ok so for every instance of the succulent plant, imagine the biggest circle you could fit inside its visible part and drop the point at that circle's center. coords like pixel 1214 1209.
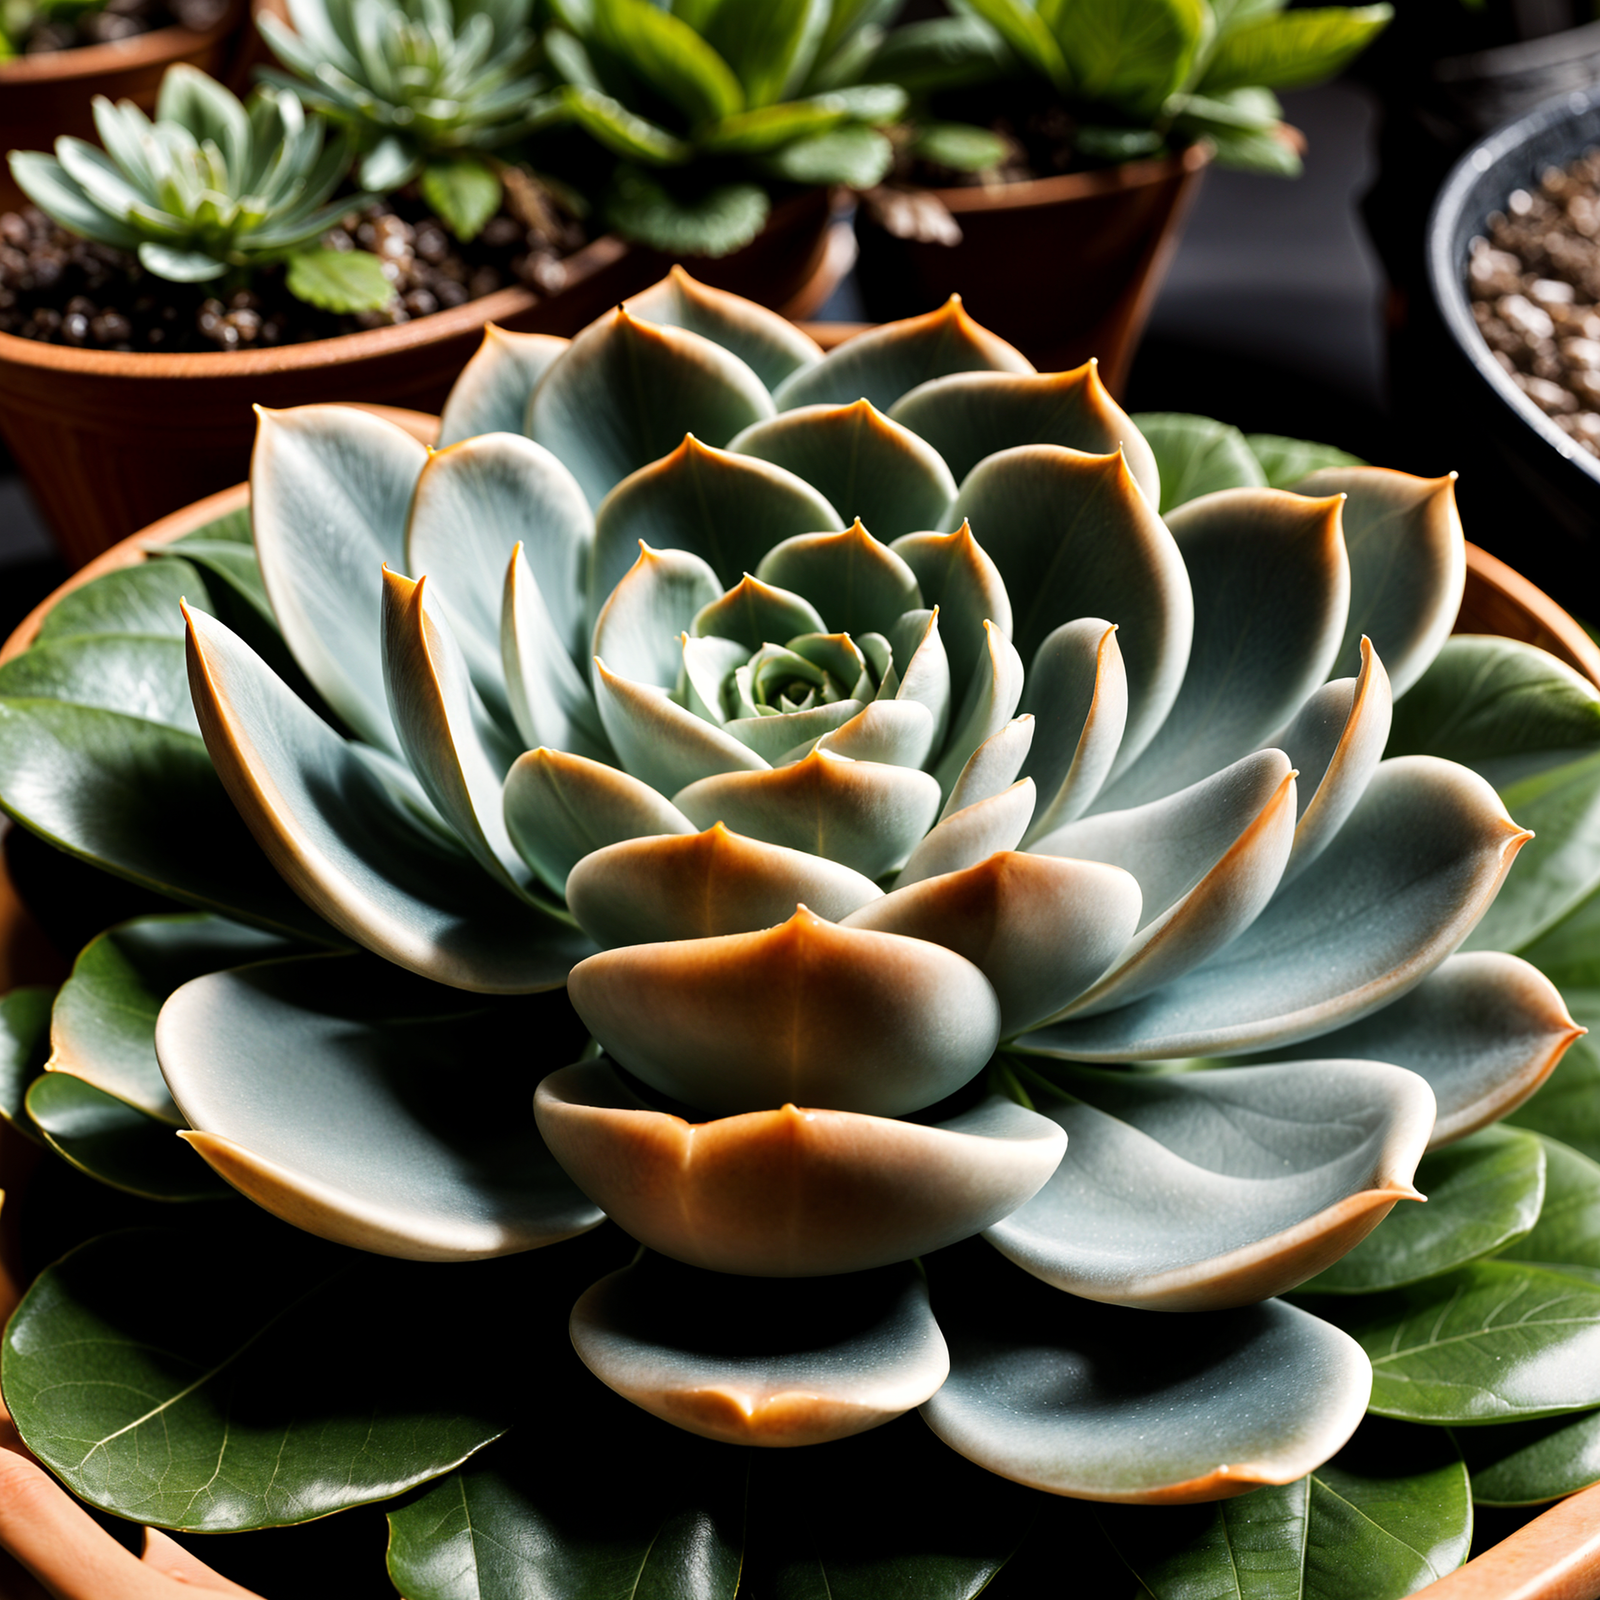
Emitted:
pixel 703 106
pixel 951 809
pixel 1128 76
pixel 211 188
pixel 423 87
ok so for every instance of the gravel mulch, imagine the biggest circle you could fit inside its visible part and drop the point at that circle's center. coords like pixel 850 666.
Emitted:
pixel 1535 288
pixel 61 289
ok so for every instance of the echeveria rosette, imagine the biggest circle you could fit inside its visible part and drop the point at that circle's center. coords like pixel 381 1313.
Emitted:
pixel 627 667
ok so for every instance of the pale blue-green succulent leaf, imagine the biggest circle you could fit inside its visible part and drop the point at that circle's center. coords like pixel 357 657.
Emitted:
pixel 475 502
pixel 970 415
pixel 963 838
pixel 639 629
pixel 1396 892
pixel 1484 1193
pixel 872 469
pixel 755 613
pixel 1491 1342
pixel 858 584
pixel 1335 741
pixel 1408 565
pixel 658 741
pixel 549 699
pixel 885 363
pixel 495 386
pixel 1485 1029
pixel 708 664
pixel 991 697
pixel 1077 692
pixel 456 753
pixel 958 578
pixel 816 1360
pixel 560 807
pixel 137 674
pixel 380 868
pixel 806 1013
pixel 1073 536
pixel 42 179
pixel 865 814
pixel 899 732
pixel 1199 1191
pixel 993 766
pixel 792 1192
pixel 1197 456
pixel 729 509
pixel 787 736
pixel 626 392
pixel 318 1088
pixel 1099 1402
pixel 1271 589
pixel 103 1022
pixel 1039 929
pixel 642 891
pixel 923 665
pixel 771 346
pixel 330 488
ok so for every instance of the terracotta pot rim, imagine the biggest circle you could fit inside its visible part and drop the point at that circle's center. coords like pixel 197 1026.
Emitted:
pixel 1074 185
pixel 98 60
pixel 500 306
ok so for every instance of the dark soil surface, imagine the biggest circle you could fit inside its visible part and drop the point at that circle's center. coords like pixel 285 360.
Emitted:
pixel 1535 287
pixel 118 19
pixel 65 290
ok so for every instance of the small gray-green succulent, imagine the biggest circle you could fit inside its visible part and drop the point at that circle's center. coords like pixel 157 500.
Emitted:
pixel 211 188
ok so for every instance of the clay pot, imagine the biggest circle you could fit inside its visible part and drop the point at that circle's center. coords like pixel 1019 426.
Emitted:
pixel 1065 268
pixel 44 96
pixel 110 441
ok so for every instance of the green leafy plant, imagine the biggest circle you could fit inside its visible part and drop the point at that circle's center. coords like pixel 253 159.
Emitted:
pixel 425 88
pixel 211 189
pixel 704 105
pixel 19 17
pixel 1113 872
pixel 1129 76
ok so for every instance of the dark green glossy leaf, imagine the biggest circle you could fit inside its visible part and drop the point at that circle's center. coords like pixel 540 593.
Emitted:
pixel 232 527
pixel 103 1027
pixel 229 1377
pixel 853 155
pixel 1294 49
pixel 1488 1343
pixel 1197 456
pixel 140 675
pixel 1568 1230
pixel 1388 1514
pixel 1525 1463
pixel 712 222
pixel 1567 1105
pixel 144 802
pixel 117 1143
pixel 1287 461
pixel 24 1047
pixel 1131 55
pixel 1483 1191
pixel 142 599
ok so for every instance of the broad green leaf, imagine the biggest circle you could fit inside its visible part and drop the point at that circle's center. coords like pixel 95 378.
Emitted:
pixel 1491 1342
pixel 622 131
pixel 233 527
pixel 853 155
pixel 1130 56
pixel 753 133
pixel 140 675
pixel 1568 1230
pixel 142 599
pixel 942 53
pixel 239 1375
pixel 1567 1106
pixel 1287 461
pixel 1247 151
pixel 103 1025
pixel 464 193
pixel 1482 1192
pixel 1526 1463
pixel 117 1143
pixel 1390 1513
pixel 764 43
pixel 704 222
pixel 339 280
pixel 671 57
pixel 1293 49
pixel 24 1048
pixel 144 802
pixel 1025 31
pixel 960 146
pixel 1196 456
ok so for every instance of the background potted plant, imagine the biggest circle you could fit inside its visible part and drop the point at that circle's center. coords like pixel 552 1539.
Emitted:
pixel 1053 149
pixel 417 862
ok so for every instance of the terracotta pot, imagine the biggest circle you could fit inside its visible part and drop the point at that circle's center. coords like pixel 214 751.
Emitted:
pixel 1065 268
pixel 44 96
pixel 1556 1556
pixel 110 441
